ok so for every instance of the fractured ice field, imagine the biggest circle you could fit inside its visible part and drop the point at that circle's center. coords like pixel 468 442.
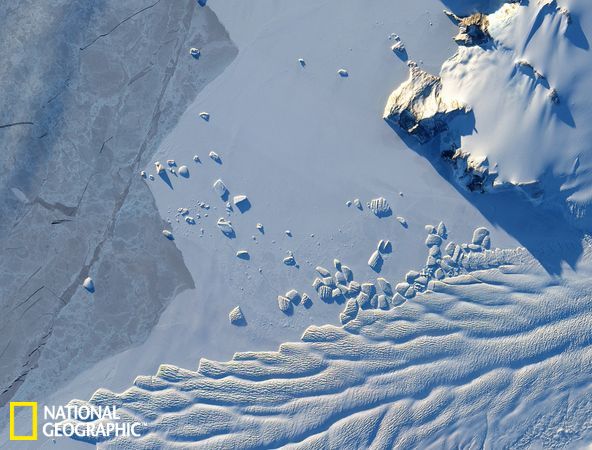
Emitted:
pixel 88 92
pixel 495 357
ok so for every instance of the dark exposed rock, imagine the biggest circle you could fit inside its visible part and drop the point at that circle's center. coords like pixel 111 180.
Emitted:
pixel 418 108
pixel 472 30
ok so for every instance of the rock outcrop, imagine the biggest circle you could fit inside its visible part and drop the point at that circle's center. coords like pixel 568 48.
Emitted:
pixel 472 30
pixel 418 108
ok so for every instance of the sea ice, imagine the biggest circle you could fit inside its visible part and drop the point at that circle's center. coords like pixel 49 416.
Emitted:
pixel 88 284
pixel 184 171
pixel 375 261
pixel 215 157
pixel 220 188
pixel 243 254
pixel 241 202
pixel 237 317
pixel 226 227
pixel 285 304
pixel 380 207
pixel 384 246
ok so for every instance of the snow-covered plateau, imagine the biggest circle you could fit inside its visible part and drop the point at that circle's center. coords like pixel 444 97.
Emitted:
pixel 311 224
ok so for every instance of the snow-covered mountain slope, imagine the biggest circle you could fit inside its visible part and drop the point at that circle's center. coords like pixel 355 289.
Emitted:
pixel 497 357
pixel 525 80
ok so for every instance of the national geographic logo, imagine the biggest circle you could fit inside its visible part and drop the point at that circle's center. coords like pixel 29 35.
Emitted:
pixel 18 437
pixel 78 421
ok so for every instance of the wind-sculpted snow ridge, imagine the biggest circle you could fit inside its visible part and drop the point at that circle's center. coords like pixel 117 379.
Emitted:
pixel 497 355
pixel 520 72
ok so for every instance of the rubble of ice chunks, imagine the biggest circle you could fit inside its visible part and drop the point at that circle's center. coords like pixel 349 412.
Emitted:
pixel 472 30
pixel 358 204
pixel 291 299
pixel 380 207
pixel 418 107
pixel 452 260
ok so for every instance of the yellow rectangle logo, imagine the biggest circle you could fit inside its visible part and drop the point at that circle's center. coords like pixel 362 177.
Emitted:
pixel 33 435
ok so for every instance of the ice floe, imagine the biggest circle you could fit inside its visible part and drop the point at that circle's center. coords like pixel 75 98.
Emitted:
pixel 242 203
pixel 285 305
pixel 220 188
pixel 226 227
pixel 184 171
pixel 88 284
pixel 375 261
pixel 380 207
pixel 243 254
pixel 236 317
pixel 215 157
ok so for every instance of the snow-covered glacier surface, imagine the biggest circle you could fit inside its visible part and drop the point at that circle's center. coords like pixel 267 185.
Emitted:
pixel 496 357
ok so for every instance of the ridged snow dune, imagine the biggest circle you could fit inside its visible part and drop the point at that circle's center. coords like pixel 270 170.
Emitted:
pixel 497 357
